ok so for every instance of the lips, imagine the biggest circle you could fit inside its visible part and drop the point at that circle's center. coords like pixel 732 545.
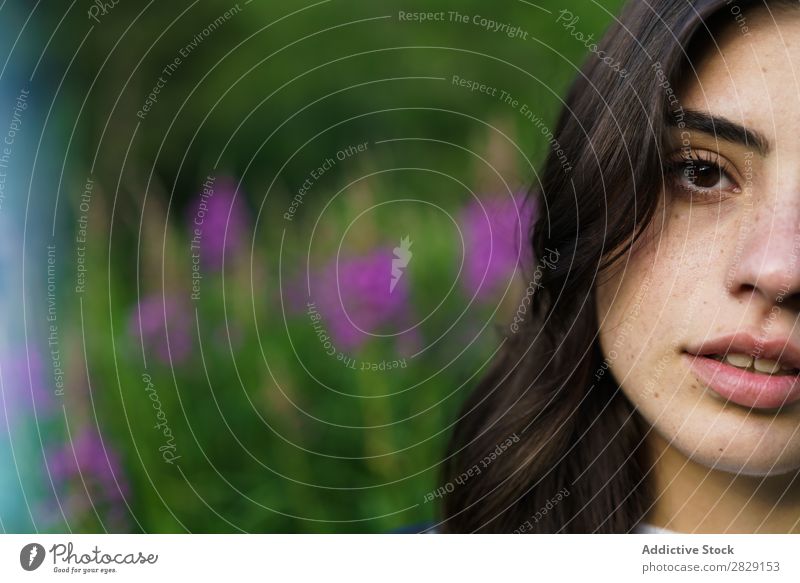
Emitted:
pixel 745 387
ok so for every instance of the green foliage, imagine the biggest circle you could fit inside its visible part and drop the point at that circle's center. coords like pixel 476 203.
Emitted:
pixel 274 434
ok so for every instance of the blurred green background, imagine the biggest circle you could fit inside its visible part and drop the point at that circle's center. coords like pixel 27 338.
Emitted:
pixel 259 325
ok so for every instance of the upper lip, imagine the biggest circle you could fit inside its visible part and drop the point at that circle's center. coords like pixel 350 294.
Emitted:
pixel 782 350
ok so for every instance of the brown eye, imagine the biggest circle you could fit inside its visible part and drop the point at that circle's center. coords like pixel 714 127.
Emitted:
pixel 703 175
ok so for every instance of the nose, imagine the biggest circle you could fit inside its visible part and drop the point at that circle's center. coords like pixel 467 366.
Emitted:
pixel 769 264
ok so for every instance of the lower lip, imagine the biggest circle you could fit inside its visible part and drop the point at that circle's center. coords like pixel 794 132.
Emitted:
pixel 745 388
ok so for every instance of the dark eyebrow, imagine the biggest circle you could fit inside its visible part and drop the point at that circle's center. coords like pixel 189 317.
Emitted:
pixel 723 129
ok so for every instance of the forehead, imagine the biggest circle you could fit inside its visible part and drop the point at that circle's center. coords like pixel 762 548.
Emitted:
pixel 750 73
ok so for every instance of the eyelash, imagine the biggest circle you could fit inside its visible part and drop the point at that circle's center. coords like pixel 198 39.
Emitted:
pixel 677 169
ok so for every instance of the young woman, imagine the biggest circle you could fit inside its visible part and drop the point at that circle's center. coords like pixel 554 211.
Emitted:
pixel 654 385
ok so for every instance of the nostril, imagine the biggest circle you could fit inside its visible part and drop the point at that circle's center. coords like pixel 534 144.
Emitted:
pixel 791 302
pixel 777 291
pixel 747 289
pixel 744 291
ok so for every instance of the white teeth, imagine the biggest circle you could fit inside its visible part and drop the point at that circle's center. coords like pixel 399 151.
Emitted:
pixel 766 365
pixel 739 360
pixel 762 365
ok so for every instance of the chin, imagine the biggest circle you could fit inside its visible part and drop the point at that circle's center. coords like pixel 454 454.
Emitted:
pixel 744 452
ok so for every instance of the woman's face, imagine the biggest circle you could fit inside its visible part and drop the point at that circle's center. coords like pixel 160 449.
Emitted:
pixel 692 321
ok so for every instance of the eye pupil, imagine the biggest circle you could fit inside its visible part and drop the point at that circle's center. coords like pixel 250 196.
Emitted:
pixel 702 175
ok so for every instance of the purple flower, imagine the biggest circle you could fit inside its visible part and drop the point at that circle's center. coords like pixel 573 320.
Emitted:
pixel 356 299
pixel 87 473
pixel 222 219
pixel 496 243
pixel 157 319
pixel 23 390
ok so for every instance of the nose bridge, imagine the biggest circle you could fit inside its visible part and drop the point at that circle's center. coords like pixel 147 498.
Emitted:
pixel 770 260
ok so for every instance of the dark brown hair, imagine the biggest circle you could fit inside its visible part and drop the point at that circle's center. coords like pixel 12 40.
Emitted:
pixel 547 442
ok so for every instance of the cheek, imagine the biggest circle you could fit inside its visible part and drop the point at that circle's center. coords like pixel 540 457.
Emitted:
pixel 634 334
pixel 645 314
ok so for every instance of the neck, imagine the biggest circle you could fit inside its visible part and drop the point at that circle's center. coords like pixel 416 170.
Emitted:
pixel 692 498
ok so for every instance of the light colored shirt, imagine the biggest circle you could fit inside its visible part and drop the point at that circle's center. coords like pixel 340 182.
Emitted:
pixel 645 528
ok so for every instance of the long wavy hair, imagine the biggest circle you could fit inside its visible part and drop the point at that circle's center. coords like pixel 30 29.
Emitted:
pixel 547 442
